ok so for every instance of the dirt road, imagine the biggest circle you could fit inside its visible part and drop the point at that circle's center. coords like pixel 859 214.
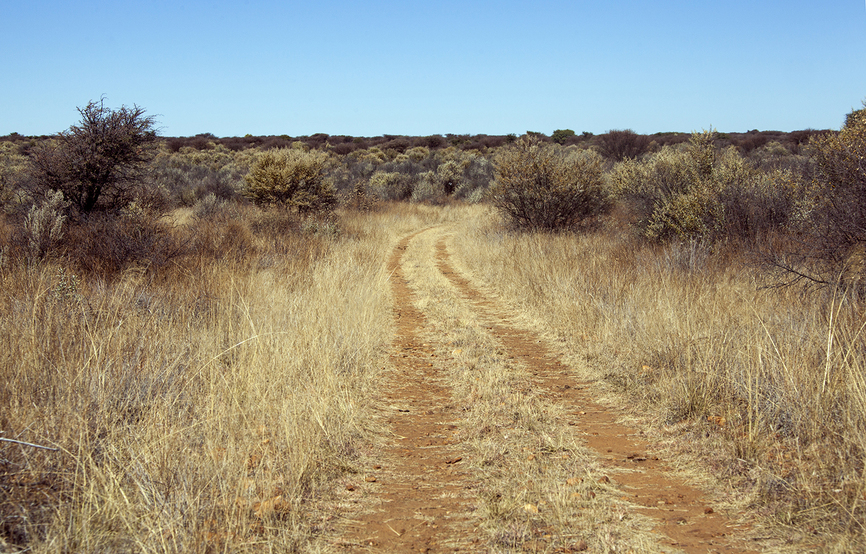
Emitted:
pixel 436 487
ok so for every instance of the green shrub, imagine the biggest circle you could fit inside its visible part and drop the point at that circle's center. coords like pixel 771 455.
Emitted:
pixel 290 178
pixel 538 187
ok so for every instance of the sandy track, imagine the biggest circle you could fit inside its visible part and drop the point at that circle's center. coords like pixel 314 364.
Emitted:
pixel 423 488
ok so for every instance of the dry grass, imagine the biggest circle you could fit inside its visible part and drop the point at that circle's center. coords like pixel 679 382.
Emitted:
pixel 202 407
pixel 766 387
pixel 211 404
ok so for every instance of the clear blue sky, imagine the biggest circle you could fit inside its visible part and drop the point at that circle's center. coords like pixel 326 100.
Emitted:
pixel 419 68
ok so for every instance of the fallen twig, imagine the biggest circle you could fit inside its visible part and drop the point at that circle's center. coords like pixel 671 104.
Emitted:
pixel 29 444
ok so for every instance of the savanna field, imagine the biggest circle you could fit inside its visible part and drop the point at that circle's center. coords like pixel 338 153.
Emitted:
pixel 197 335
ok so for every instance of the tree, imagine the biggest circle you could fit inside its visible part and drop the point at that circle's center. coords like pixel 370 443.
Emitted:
pixel 560 136
pixel 291 178
pixel 99 163
pixel 538 187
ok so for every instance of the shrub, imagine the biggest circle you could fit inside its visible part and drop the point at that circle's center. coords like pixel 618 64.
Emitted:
pixel 392 185
pixel 696 193
pixel 99 163
pixel 538 187
pixel 428 189
pixel 290 178
pixel 106 245
pixel 190 175
pixel 619 144
pixel 833 211
pixel 43 226
pixel 12 167
pixel 477 177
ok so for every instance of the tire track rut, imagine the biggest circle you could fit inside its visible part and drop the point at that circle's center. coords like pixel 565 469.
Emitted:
pixel 421 486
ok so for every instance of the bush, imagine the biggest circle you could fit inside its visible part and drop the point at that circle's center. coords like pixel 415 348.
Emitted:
pixel 619 144
pixel 13 166
pixel 560 136
pixel 43 226
pixel 291 178
pixel 190 175
pixel 833 211
pixel 429 189
pixel 538 187
pixel 99 163
pixel 391 185
pixel 696 193
pixel 477 177
pixel 106 245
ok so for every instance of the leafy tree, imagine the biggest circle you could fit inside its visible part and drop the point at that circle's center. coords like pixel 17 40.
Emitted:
pixel 291 178
pixel 99 163
pixel 560 136
pixel 538 187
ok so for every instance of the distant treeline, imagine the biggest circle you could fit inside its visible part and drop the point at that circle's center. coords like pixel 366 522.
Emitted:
pixel 615 144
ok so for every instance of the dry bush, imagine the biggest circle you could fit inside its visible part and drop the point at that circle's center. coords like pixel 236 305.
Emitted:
pixel 98 164
pixel 621 144
pixel 538 187
pixel 188 176
pixel 43 226
pixel 698 193
pixel 105 245
pixel 292 178
pixel 392 185
pixel 13 168
pixel 832 216
pixel 766 387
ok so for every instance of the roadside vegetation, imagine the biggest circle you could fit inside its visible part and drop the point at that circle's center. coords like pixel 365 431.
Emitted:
pixel 192 327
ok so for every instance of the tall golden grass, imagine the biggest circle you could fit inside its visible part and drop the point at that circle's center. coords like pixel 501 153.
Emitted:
pixel 766 385
pixel 204 406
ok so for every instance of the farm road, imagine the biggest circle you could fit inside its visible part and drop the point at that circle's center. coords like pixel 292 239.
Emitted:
pixel 425 483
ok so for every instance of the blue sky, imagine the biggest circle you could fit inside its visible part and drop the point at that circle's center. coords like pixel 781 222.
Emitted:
pixel 420 68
